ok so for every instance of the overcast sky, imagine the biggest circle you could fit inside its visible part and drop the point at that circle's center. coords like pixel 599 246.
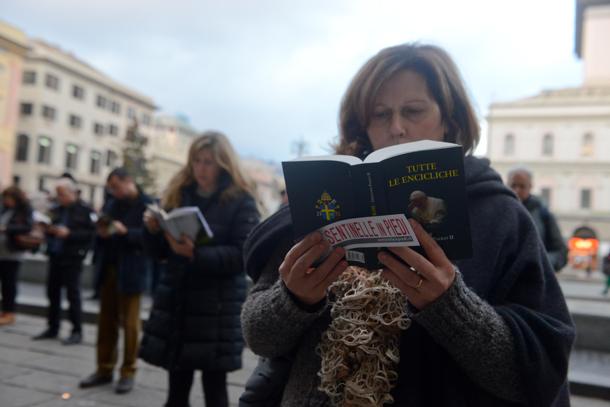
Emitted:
pixel 268 73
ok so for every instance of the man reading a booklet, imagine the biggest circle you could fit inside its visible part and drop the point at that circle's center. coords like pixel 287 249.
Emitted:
pixel 424 328
pixel 124 268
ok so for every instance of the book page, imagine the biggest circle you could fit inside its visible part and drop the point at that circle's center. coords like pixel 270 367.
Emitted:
pixel 405 148
pixel 348 159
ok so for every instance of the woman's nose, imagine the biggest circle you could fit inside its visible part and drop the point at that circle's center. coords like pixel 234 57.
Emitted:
pixel 397 127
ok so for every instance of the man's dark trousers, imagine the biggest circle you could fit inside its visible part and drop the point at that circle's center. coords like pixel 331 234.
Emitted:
pixel 64 272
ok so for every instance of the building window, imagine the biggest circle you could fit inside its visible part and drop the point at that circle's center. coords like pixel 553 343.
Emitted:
pixel 113 130
pixel 545 194
pixel 23 145
pixel 16 180
pixel 100 101
pixel 587 145
pixel 49 112
pixel 78 92
pixel 131 112
pixel 585 199
pixel 29 77
pixel 111 158
pixel 115 107
pixel 51 81
pixel 96 160
pixel 547 145
pixel 91 194
pixel 27 109
pixel 75 121
pixel 98 129
pixel 509 144
pixel 45 146
pixel 41 183
pixel 145 119
pixel 71 156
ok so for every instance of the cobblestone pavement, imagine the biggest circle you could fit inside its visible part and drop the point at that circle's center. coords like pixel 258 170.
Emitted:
pixel 39 373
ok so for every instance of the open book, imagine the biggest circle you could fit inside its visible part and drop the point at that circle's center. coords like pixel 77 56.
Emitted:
pixel 422 180
pixel 187 220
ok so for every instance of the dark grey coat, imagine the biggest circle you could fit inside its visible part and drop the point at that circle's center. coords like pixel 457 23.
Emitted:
pixel 500 336
pixel 194 323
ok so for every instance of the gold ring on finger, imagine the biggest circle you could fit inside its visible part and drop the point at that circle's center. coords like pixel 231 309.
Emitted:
pixel 419 283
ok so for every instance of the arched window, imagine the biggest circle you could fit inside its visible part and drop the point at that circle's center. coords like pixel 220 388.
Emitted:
pixel 45 146
pixel 509 144
pixel 96 161
pixel 23 145
pixel 71 156
pixel 547 145
pixel 586 148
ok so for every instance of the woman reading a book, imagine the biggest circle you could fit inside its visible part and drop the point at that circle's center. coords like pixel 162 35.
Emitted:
pixel 194 323
pixel 492 330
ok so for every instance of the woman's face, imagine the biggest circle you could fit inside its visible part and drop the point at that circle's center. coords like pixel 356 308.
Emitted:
pixel 205 170
pixel 404 111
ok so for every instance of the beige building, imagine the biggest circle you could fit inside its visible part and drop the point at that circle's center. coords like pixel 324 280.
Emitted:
pixel 563 135
pixel 269 182
pixel 13 47
pixel 168 148
pixel 72 118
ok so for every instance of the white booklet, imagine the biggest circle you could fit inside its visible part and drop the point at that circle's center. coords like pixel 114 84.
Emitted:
pixel 187 220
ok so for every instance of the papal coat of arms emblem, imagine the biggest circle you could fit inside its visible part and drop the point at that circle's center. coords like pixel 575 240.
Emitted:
pixel 327 208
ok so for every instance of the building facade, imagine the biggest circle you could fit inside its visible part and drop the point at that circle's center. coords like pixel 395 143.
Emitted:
pixel 563 135
pixel 168 148
pixel 72 118
pixel 13 47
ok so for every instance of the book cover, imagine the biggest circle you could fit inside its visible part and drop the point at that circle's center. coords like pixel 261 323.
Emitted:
pixel 187 220
pixel 422 180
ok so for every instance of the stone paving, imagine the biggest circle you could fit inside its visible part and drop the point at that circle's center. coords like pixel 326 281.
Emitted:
pixel 46 374
pixel 39 373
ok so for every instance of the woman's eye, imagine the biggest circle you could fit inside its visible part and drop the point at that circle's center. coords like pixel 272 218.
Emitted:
pixel 412 112
pixel 381 115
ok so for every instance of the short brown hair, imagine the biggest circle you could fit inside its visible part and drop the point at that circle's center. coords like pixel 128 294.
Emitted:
pixel 18 196
pixel 444 83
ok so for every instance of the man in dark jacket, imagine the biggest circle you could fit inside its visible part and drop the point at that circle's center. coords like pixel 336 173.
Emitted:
pixel 68 240
pixel 520 181
pixel 123 279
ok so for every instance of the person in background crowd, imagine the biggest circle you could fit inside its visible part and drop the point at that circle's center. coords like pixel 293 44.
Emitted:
pixel 124 267
pixel 606 271
pixel 98 249
pixel 194 323
pixel 15 221
pixel 492 330
pixel 520 181
pixel 69 238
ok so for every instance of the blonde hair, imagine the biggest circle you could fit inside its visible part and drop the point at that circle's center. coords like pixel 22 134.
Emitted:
pixel 442 79
pixel 224 155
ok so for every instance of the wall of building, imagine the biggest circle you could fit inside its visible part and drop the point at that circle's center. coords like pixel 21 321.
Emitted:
pixel 13 46
pixel 104 111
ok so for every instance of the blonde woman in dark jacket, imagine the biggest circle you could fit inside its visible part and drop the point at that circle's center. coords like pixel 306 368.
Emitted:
pixel 194 323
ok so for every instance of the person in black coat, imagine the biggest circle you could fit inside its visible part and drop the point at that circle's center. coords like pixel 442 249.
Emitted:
pixel 519 179
pixel 15 222
pixel 69 237
pixel 123 272
pixel 194 323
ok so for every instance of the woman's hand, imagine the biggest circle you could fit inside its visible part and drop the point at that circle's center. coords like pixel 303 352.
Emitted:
pixel 183 247
pixel 60 232
pixel 119 228
pixel 421 280
pixel 150 222
pixel 307 283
